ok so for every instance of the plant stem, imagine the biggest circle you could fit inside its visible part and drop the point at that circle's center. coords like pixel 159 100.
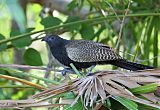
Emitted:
pixel 75 69
pixel 97 20
pixel 25 67
pixel 122 24
pixel 16 86
pixel 30 75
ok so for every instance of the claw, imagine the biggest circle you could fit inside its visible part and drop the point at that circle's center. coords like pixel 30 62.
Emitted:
pixel 90 71
pixel 67 70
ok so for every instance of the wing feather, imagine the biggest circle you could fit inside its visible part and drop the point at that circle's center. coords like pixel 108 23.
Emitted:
pixel 88 51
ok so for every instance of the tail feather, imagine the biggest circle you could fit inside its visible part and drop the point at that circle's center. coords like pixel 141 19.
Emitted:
pixel 130 65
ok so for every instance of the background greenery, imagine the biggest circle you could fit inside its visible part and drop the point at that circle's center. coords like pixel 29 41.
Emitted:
pixel 98 20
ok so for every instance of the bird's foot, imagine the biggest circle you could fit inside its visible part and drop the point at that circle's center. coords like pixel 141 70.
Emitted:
pixel 89 74
pixel 90 71
pixel 67 70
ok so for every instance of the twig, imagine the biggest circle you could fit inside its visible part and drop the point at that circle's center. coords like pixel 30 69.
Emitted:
pixel 75 69
pixel 113 11
pixel 139 60
pixel 39 36
pixel 98 20
pixel 26 67
pixel 122 24
pixel 22 81
pixel 16 86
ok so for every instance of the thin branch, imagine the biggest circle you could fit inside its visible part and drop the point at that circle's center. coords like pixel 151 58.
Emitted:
pixel 139 60
pixel 16 86
pixel 98 20
pixel 28 75
pixel 22 81
pixel 113 11
pixel 19 104
pixel 26 67
pixel 122 24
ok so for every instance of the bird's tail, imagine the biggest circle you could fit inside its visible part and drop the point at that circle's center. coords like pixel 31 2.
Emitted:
pixel 130 65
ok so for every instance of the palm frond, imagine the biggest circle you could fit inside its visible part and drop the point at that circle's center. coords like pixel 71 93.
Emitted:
pixel 104 84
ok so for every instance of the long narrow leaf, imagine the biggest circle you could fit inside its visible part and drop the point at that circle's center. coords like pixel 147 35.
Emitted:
pixel 127 103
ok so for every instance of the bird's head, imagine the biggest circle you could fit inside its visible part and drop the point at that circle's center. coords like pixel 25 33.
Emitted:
pixel 54 40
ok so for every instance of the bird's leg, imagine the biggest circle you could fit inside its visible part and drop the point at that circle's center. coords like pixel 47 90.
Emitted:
pixel 90 70
pixel 67 70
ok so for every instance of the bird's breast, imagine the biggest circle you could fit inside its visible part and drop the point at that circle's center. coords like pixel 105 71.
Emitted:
pixel 61 55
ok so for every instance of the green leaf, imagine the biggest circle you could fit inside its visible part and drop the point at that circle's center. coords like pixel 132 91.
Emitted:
pixel 146 107
pixel 75 27
pixel 155 40
pixel 108 102
pixel 139 1
pixel 87 32
pixel 76 106
pixel 148 42
pixel 50 21
pixel 32 57
pixel 145 89
pixel 72 5
pixel 69 95
pixel 22 42
pixel 29 30
pixel 101 29
pixel 127 103
pixel 104 5
pixel 2 46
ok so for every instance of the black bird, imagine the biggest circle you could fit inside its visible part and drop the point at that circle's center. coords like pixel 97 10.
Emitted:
pixel 84 54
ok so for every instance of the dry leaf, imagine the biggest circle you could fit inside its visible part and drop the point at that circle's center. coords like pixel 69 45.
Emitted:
pixel 109 83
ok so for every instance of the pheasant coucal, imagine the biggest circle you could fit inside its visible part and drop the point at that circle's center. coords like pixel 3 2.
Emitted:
pixel 84 54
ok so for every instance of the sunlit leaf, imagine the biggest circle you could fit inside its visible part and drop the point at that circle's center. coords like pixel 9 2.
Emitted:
pixel 145 89
pixel 50 21
pixel 127 103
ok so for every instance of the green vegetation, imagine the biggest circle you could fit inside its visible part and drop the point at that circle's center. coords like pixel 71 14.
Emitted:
pixel 131 27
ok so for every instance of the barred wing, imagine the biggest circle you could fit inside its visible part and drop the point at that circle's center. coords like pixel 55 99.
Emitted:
pixel 88 51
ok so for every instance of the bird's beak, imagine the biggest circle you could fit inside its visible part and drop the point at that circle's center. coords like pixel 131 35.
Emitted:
pixel 44 39
pixel 47 39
